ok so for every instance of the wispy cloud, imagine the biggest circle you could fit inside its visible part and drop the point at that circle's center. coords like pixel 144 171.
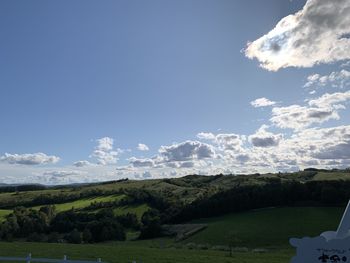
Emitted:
pixel 142 147
pixel 29 158
pixel 336 79
pixel 262 102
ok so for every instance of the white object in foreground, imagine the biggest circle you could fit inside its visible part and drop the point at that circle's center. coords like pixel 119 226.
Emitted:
pixel 329 247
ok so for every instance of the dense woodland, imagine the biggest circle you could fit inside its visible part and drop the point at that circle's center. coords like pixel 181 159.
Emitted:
pixel 36 219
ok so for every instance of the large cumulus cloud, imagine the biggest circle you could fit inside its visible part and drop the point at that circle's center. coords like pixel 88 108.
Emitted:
pixel 319 33
pixel 224 141
pixel 104 152
pixel 263 138
pixel 186 151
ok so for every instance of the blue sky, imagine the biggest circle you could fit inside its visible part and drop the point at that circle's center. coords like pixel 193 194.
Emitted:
pixel 89 81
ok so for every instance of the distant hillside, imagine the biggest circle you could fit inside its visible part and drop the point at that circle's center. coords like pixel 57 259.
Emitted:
pixel 184 190
pixel 131 206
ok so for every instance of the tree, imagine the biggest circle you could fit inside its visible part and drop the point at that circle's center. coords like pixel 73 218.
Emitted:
pixel 87 236
pixel 53 237
pixel 129 220
pixel 74 237
pixel 151 224
pixel 36 237
pixel 49 210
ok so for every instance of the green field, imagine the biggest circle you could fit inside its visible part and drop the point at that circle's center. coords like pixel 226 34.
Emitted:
pixel 328 176
pixel 4 213
pixel 82 203
pixel 136 209
pixel 127 251
pixel 12 198
pixel 267 227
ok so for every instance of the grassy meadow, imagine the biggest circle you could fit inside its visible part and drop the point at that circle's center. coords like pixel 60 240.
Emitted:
pixel 126 252
pixel 136 209
pixel 82 203
pixel 267 229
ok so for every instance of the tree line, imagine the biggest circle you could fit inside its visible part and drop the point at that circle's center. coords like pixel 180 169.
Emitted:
pixel 274 193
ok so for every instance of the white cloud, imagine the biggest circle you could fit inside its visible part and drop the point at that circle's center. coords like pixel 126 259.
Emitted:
pixel 262 102
pixel 340 150
pixel 318 147
pixel 105 144
pixel 82 163
pixel 262 151
pixel 263 138
pixel 147 174
pixel 136 162
pixel 104 152
pixel 63 173
pixel 186 155
pixel 242 158
pixel 265 152
pixel 298 117
pixel 187 164
pixel 318 111
pixel 328 100
pixel 336 79
pixel 327 143
pixel 229 141
pixel 57 174
pixel 186 151
pixel 144 175
pixel 316 34
pixel 312 80
pixel 29 158
pixel 312 92
pixel 142 147
pixel 206 136
pixel 224 141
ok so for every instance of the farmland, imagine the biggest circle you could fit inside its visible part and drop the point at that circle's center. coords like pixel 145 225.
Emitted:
pixel 252 215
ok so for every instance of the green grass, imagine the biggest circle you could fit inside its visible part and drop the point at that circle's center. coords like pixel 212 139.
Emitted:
pixel 326 176
pixel 269 227
pixel 4 213
pixel 9 199
pixel 128 251
pixel 266 228
pixel 82 203
pixel 136 209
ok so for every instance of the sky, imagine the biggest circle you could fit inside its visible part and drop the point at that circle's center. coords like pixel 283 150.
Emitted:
pixel 103 90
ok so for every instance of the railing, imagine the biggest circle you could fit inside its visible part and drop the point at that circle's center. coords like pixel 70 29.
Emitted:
pixel 30 259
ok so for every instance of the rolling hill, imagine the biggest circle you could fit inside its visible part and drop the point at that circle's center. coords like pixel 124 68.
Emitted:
pixel 308 203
